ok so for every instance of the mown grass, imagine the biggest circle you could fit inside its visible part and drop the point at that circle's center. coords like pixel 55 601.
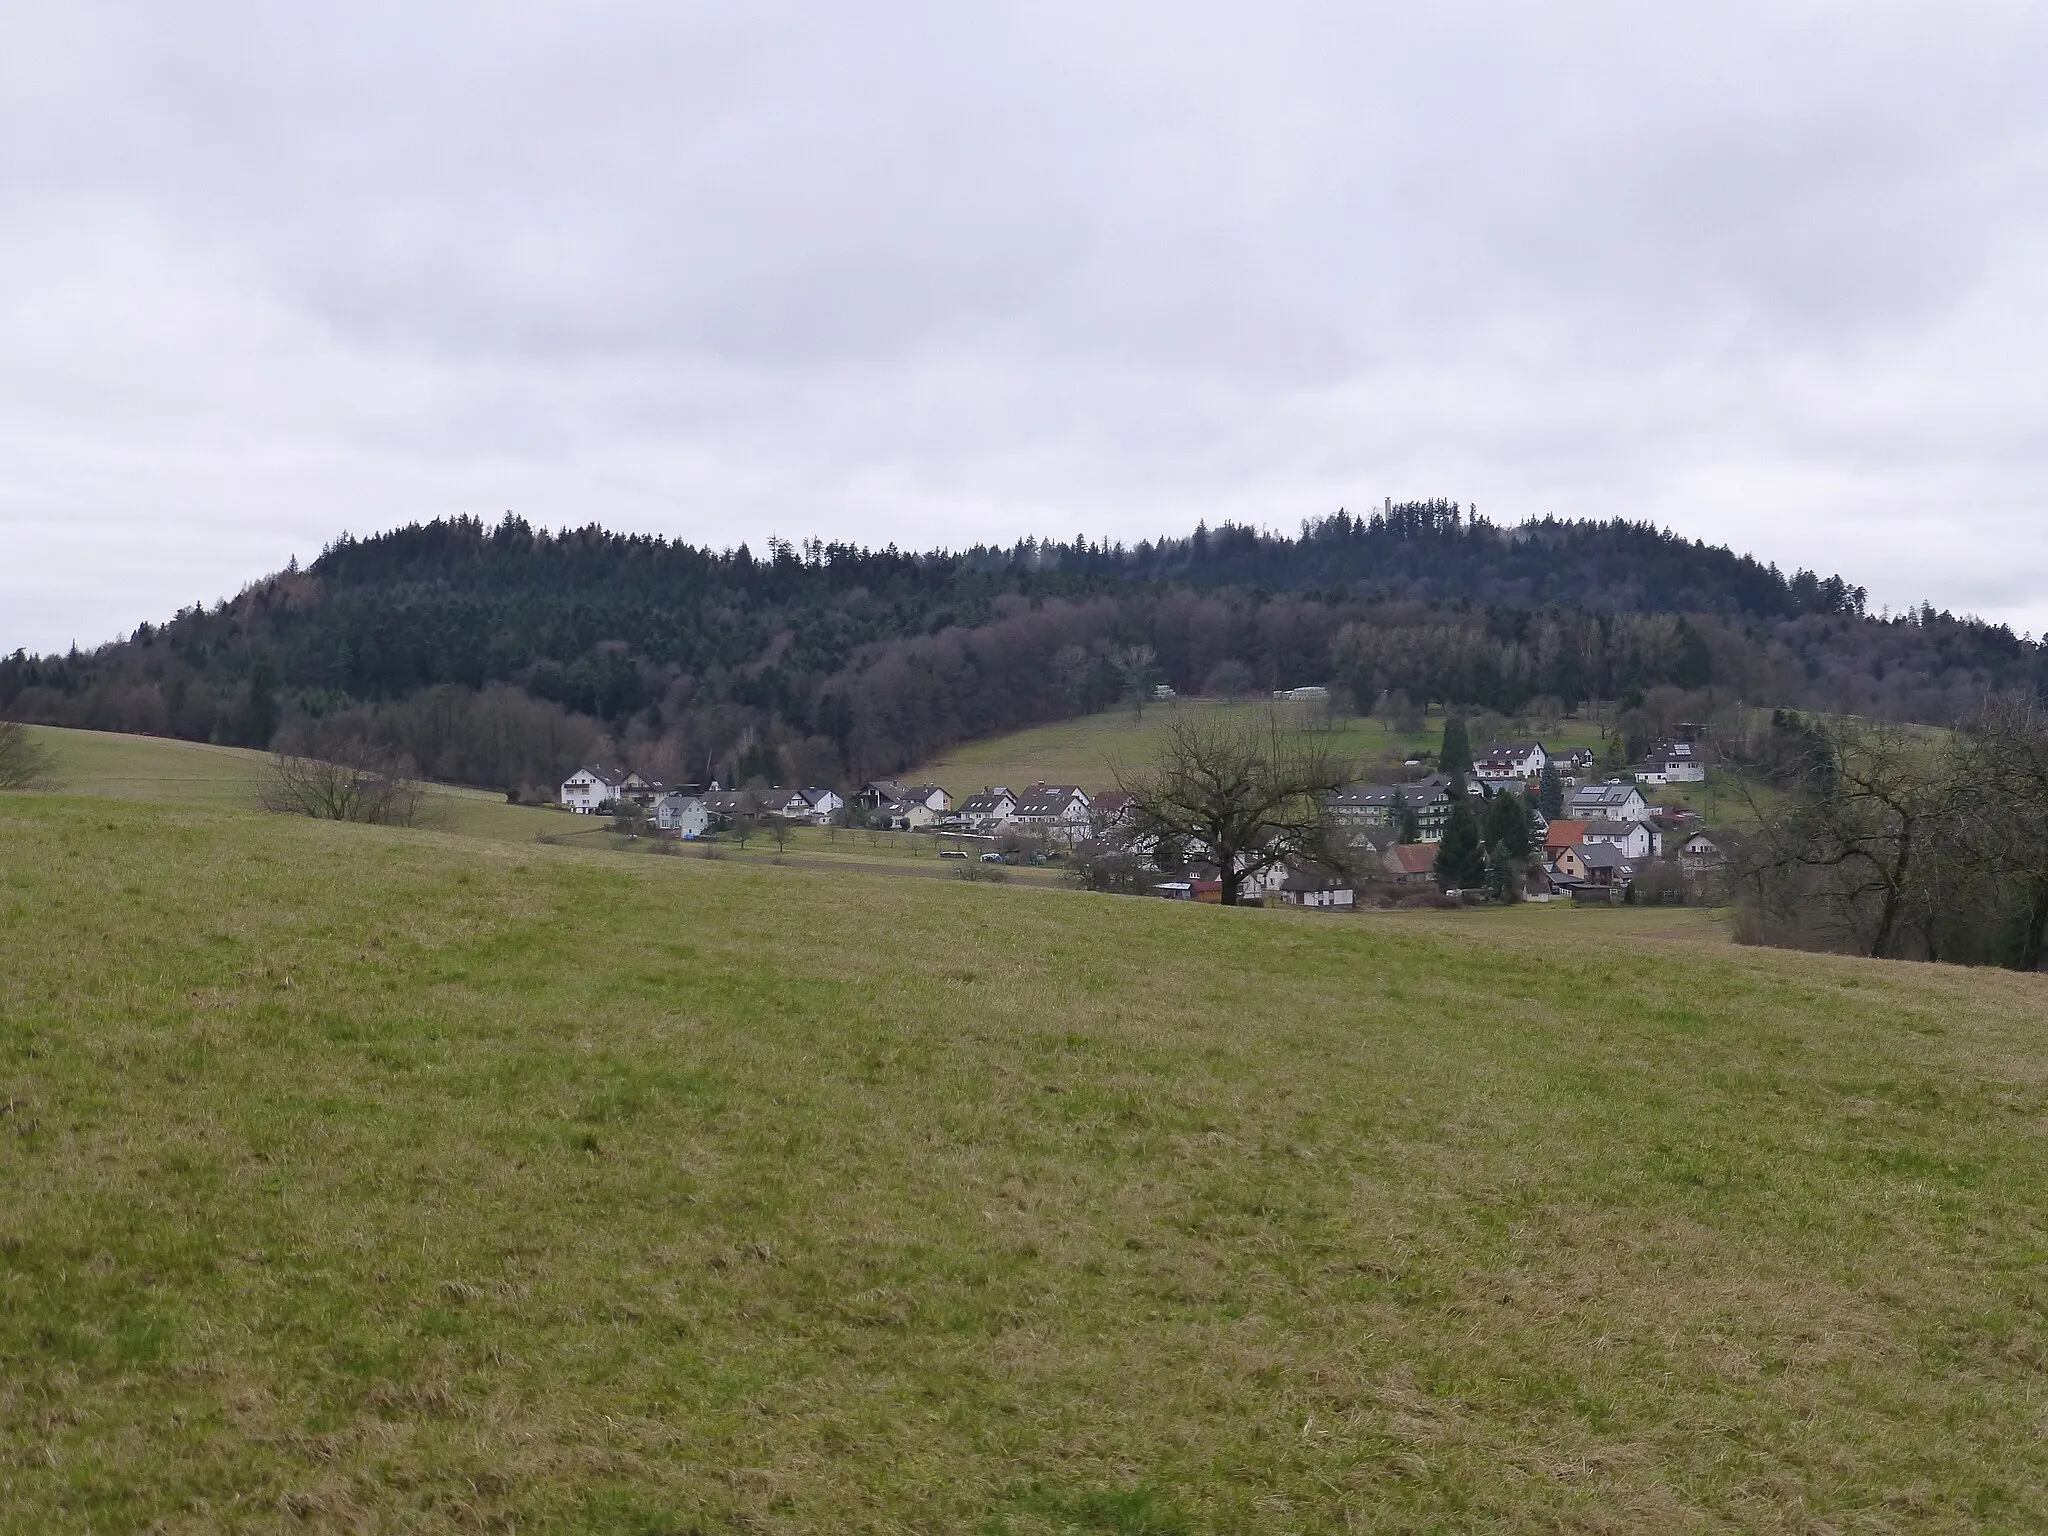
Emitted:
pixel 1086 751
pixel 360 1179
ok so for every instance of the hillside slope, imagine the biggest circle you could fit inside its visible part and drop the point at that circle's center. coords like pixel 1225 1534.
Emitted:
pixel 1088 750
pixel 370 1179
pixel 499 657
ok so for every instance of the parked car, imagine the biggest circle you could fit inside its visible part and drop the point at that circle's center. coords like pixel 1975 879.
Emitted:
pixel 991 858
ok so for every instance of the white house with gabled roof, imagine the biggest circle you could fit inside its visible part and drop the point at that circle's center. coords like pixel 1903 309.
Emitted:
pixel 589 790
pixel 1616 800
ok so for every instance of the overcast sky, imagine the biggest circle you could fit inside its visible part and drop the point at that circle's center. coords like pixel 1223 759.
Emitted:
pixel 1772 275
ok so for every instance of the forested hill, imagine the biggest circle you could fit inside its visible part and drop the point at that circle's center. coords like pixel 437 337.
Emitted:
pixel 500 654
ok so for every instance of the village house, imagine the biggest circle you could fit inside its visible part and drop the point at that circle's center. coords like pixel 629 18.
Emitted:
pixel 879 794
pixel 1568 865
pixel 1604 866
pixel 1307 886
pixel 1054 810
pixel 985 812
pixel 906 815
pixel 1701 855
pixel 1412 863
pixel 589 790
pixel 1382 805
pixel 1511 761
pixel 642 792
pixel 1366 805
pixel 816 806
pixel 687 816
pixel 1635 839
pixel 1562 834
pixel 1615 800
pixel 729 805
pixel 1676 762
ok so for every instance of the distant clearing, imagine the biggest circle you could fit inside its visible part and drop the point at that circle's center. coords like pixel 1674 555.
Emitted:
pixel 359 1179
pixel 1083 751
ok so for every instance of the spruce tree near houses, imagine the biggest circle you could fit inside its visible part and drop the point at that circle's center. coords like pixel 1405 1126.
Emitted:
pixel 1550 791
pixel 1504 874
pixel 1460 857
pixel 1455 758
pixel 1506 825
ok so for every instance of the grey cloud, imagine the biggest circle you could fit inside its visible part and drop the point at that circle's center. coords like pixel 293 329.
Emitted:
pixel 923 273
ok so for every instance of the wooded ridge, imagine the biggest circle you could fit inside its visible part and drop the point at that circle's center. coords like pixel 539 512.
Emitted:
pixel 499 655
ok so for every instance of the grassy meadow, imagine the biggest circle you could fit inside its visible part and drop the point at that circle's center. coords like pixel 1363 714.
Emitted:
pixel 1086 751
pixel 165 771
pixel 358 1179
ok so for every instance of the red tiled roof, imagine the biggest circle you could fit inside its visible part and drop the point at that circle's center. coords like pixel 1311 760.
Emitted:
pixel 1416 858
pixel 1564 834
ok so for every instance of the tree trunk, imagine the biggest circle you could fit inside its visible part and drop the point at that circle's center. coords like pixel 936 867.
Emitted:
pixel 1888 915
pixel 1231 881
pixel 2035 938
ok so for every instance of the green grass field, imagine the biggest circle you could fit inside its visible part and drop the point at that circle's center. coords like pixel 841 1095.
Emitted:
pixel 1086 751
pixel 357 1179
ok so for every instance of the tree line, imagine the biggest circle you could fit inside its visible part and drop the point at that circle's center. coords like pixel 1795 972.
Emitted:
pixel 501 656
pixel 1895 841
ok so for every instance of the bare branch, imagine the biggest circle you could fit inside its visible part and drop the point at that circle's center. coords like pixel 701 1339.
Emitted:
pixel 349 782
pixel 1246 796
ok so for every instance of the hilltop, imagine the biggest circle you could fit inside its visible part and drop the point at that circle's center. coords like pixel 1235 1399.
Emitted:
pixel 501 656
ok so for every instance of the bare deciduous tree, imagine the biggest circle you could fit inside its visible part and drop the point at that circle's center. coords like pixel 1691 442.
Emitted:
pixel 1864 850
pixel 2003 756
pixel 1245 795
pixel 347 782
pixel 24 761
pixel 1135 665
pixel 1845 852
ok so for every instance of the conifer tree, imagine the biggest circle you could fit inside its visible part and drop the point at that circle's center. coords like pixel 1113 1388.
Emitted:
pixel 1506 824
pixel 1504 873
pixel 1455 758
pixel 1550 791
pixel 1460 857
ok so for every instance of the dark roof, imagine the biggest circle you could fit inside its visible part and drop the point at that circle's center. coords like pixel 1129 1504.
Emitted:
pixel 1603 794
pixel 1365 796
pixel 1306 878
pixel 1606 856
pixel 1610 828
pixel 1047 802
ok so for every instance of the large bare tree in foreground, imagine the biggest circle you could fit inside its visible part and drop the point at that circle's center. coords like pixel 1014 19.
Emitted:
pixel 1244 794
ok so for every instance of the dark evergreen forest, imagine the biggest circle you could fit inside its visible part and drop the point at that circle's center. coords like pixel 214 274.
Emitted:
pixel 501 655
